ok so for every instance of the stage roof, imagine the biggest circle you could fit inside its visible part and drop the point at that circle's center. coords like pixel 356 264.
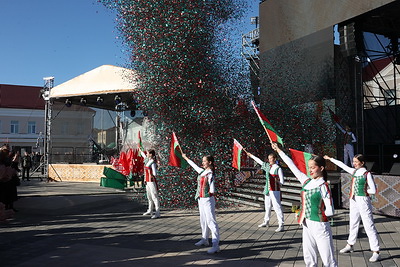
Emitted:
pixel 106 81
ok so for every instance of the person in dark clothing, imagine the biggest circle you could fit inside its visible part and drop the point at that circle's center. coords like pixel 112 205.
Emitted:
pixel 8 189
pixel 26 166
pixel 6 174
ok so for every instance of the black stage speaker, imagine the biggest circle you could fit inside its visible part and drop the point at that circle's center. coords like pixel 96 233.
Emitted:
pixel 395 170
pixel 369 165
pixel 351 39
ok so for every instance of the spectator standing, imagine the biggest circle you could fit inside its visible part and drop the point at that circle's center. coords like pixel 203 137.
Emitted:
pixel 26 166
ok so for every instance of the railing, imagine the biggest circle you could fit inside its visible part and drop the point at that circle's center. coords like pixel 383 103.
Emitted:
pixel 71 155
pixel 250 43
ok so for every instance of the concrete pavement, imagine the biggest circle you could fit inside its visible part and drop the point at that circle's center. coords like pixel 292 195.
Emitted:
pixel 83 224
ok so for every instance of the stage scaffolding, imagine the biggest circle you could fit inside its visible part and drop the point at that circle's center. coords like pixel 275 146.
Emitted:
pixel 371 45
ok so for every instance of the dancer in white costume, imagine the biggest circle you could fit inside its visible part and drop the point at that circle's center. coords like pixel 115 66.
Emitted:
pixel 316 207
pixel 205 197
pixel 272 190
pixel 362 186
pixel 150 173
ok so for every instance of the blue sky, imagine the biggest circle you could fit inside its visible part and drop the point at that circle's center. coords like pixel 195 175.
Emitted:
pixel 60 38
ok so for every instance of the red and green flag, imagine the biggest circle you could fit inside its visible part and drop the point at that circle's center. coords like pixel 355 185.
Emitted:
pixel 272 134
pixel 175 154
pixel 300 159
pixel 140 144
pixel 236 154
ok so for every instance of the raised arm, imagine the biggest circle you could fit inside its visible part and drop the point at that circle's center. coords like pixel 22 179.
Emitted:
pixel 191 163
pixel 340 127
pixel 142 153
pixel 299 175
pixel 340 164
pixel 258 160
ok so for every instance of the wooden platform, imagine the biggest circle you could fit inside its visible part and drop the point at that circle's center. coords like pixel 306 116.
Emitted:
pixel 76 172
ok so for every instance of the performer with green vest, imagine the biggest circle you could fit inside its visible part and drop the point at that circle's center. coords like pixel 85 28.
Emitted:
pixel 272 189
pixel 316 207
pixel 362 186
pixel 205 197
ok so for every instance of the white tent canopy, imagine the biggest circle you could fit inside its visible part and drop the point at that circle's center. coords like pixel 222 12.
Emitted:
pixel 106 79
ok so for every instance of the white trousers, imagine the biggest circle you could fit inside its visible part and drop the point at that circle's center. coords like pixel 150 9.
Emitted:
pixel 207 219
pixel 317 237
pixel 361 209
pixel 273 198
pixel 152 197
pixel 348 154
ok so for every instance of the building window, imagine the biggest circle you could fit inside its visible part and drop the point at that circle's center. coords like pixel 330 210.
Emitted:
pixel 14 127
pixel 31 127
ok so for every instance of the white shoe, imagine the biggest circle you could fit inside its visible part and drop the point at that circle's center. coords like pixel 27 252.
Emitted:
pixel 155 216
pixel 147 213
pixel 346 249
pixel 280 228
pixel 264 224
pixel 214 249
pixel 375 257
pixel 202 242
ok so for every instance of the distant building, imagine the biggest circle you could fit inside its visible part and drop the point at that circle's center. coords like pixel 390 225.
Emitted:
pixel 21 116
pixel 22 119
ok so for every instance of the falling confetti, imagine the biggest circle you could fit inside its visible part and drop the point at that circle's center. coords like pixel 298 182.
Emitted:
pixel 191 82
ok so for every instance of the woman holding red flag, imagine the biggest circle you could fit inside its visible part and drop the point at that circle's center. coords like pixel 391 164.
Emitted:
pixel 205 197
pixel 150 173
pixel 316 207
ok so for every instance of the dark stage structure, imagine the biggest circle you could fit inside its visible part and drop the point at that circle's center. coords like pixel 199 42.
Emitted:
pixel 304 72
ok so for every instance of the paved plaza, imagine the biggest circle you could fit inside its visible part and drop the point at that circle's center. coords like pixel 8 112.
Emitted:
pixel 83 224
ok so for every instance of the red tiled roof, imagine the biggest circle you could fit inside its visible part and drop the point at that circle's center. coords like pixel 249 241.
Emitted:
pixel 20 96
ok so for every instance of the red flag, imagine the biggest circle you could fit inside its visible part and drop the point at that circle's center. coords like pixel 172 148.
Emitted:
pixel 124 162
pixel 137 162
pixel 175 154
pixel 236 154
pixel 129 157
pixel 272 135
pixel 300 159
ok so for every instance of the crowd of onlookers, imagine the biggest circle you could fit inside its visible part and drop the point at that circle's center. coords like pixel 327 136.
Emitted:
pixel 12 165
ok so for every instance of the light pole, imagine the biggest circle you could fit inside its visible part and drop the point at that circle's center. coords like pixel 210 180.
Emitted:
pixel 48 84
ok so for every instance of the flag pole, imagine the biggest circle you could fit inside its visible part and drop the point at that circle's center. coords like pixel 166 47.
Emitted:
pixel 254 106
